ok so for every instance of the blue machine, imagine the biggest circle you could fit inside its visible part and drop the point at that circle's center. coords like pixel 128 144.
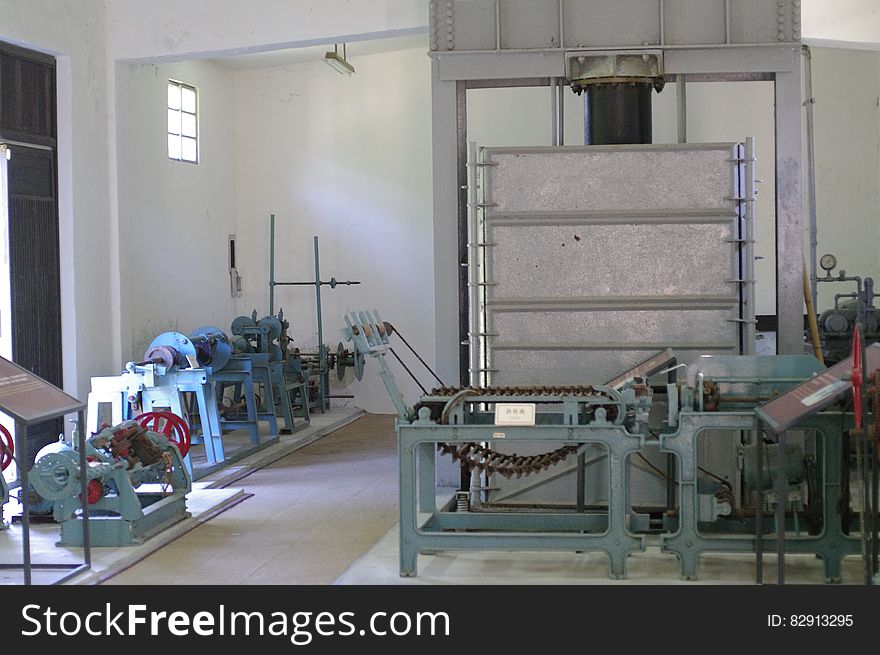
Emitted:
pixel 137 485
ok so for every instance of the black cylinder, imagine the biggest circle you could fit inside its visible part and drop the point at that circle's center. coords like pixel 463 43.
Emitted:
pixel 617 113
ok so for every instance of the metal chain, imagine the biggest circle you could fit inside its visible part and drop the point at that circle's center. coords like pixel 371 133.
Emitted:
pixel 474 455
pixel 443 392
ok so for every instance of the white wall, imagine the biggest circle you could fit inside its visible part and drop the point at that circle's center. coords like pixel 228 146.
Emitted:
pixel 841 20
pixel 346 159
pixel 74 31
pixel 170 28
pixel 174 217
pixel 846 86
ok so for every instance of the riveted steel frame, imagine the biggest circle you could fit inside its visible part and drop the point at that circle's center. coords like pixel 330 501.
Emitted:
pixel 425 528
pixel 454 73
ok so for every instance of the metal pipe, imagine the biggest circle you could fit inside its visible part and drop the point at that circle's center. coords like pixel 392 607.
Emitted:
pixel 554 112
pixel 21 447
pixel 473 265
pixel 681 99
pixel 271 264
pixel 759 506
pixel 811 171
pixel 781 502
pixel 581 481
pixel 322 350
pixel 750 193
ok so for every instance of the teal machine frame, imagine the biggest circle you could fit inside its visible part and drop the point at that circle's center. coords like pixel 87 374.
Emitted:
pixel 615 418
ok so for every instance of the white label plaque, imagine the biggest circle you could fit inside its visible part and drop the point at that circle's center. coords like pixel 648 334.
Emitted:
pixel 514 413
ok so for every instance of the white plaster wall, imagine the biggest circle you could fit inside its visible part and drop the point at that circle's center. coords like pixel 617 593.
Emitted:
pixel 174 217
pixel 170 28
pixel 846 86
pixel 74 31
pixel 841 20
pixel 346 159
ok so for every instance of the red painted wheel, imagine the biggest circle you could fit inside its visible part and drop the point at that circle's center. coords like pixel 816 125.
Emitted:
pixel 7 449
pixel 95 491
pixel 169 424
pixel 857 378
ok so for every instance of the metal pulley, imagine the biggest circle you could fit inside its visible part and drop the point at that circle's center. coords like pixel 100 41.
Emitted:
pixel 56 475
pixel 172 349
pixel 213 347
pixel 346 358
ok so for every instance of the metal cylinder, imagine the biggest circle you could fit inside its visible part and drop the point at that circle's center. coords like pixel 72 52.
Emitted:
pixel 618 113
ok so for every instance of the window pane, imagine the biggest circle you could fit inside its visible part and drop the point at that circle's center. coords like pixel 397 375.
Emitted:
pixel 173 146
pixel 173 121
pixel 173 96
pixel 188 149
pixel 188 125
pixel 188 100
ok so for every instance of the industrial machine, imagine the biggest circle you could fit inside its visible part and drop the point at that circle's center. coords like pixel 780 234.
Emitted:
pixel 797 488
pixel 137 483
pixel 836 324
pixel 7 453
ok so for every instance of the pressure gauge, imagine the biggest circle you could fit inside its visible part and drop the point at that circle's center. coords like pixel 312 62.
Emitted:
pixel 828 262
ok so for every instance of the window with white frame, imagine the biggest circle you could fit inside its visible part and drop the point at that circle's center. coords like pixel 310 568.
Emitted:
pixel 183 124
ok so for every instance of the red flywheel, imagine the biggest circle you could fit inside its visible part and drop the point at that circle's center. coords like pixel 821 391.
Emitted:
pixel 7 448
pixel 857 377
pixel 169 424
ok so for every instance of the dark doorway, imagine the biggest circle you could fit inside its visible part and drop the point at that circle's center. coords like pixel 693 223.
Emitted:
pixel 28 125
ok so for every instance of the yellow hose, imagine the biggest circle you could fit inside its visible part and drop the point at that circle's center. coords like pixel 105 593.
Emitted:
pixel 811 317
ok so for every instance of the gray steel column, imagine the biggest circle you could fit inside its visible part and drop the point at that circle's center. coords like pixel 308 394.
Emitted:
pixel 789 210
pixel 446 192
pixel 445 139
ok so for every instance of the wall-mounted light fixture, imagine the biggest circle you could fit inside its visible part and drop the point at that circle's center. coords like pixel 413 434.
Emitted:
pixel 340 64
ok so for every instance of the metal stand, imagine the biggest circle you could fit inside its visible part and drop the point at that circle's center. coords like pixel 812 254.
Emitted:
pixel 28 400
pixel 324 385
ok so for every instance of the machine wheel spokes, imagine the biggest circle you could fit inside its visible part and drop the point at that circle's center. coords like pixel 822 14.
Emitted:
pixel 169 424
pixel 7 448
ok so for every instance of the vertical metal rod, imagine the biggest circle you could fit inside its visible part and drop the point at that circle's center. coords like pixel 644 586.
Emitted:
pixel 561 24
pixel 727 21
pixel 473 262
pixel 554 112
pixel 781 502
pixel 21 448
pixel 670 481
pixel 560 116
pixel 461 145
pixel 581 480
pixel 662 23
pixel 271 264
pixel 84 493
pixel 811 171
pixel 322 353
pixel 498 24
pixel 759 506
pixel 749 277
pixel 681 97
pixel 875 516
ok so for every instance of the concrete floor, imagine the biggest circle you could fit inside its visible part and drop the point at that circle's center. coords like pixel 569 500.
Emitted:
pixel 210 496
pixel 309 516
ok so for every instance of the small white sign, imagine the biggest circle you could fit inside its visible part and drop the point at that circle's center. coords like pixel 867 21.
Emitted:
pixel 514 413
pixel 498 435
pixel 824 392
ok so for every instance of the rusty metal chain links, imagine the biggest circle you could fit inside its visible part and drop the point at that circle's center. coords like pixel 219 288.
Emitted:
pixel 473 455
